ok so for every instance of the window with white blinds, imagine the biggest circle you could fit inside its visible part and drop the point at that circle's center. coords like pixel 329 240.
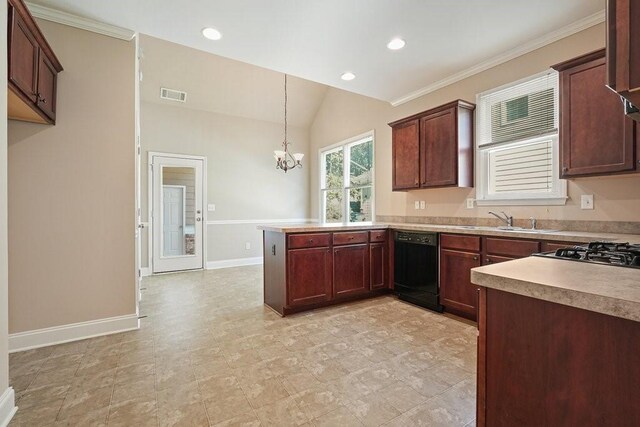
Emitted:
pixel 517 143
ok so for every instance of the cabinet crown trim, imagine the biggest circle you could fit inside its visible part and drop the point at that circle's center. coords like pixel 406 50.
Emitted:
pixel 582 59
pixel 457 103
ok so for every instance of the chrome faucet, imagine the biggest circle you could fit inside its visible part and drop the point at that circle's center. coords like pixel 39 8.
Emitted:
pixel 533 223
pixel 506 218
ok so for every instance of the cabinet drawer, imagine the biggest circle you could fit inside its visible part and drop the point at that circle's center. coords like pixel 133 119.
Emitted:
pixel 553 246
pixel 457 241
pixel 350 238
pixel 494 259
pixel 309 240
pixel 378 236
pixel 511 247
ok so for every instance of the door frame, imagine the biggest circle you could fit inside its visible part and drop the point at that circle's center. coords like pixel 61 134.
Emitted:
pixel 205 230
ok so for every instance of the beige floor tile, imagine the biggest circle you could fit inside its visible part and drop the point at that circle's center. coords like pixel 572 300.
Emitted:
pixel 141 388
pixel 401 396
pixel 78 402
pixel 62 376
pixel 248 419
pixel 215 386
pixel 226 405
pixel 317 401
pixel 180 395
pixel 135 371
pixel 264 392
pixel 94 380
pixel 341 416
pixel 191 415
pixel 135 409
pixel 284 412
pixel 40 414
pixel 372 410
pixel 168 377
pixel 38 396
pixel 88 419
pixel 300 381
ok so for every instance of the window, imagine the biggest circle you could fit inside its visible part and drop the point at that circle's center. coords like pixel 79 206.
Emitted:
pixel 346 181
pixel 517 144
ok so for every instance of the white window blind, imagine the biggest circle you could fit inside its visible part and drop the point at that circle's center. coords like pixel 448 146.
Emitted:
pixel 523 110
pixel 517 143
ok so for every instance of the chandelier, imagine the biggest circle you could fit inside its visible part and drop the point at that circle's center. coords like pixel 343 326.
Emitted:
pixel 284 159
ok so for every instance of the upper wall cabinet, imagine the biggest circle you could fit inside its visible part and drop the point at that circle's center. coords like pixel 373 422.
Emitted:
pixel 623 49
pixel 596 138
pixel 434 148
pixel 32 69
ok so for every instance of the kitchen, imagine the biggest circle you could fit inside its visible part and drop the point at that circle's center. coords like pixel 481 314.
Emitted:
pixel 409 267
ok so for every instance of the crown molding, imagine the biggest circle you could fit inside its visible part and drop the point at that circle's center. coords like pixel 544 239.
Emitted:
pixel 525 48
pixel 65 18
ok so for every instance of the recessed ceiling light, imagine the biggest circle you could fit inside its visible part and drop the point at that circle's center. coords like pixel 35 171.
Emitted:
pixel 396 44
pixel 348 76
pixel 211 33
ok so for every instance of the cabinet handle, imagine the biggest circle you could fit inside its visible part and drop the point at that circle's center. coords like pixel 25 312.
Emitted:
pixel 310 241
pixel 475 258
pixel 351 238
pixel 565 169
pixel 488 260
pixel 41 99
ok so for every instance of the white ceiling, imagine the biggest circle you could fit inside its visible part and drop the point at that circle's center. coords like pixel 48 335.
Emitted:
pixel 320 39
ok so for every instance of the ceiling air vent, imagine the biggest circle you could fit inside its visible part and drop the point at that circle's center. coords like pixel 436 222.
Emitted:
pixel 173 95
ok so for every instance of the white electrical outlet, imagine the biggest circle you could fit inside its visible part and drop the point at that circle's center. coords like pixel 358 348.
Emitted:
pixel 247 246
pixel 211 207
pixel 423 204
pixel 416 204
pixel 586 201
pixel 470 203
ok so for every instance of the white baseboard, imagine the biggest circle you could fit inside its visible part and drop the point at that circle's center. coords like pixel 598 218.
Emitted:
pixel 238 262
pixel 8 406
pixel 145 271
pixel 76 331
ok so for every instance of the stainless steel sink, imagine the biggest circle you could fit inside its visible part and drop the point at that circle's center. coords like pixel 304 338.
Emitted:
pixel 508 229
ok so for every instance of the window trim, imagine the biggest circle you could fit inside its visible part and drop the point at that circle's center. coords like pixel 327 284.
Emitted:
pixel 557 198
pixel 321 190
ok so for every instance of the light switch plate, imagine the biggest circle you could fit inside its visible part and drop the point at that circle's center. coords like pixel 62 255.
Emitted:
pixel 247 246
pixel 586 201
pixel 470 203
pixel 423 204
pixel 416 204
pixel 211 207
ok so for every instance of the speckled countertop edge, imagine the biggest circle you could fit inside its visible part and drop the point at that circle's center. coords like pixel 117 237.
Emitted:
pixel 560 236
pixel 605 289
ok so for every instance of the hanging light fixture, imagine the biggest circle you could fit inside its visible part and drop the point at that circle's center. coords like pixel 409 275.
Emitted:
pixel 284 159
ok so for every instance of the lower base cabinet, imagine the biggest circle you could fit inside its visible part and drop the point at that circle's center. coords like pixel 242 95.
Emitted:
pixel 303 271
pixel 459 295
pixel 309 276
pixel 351 270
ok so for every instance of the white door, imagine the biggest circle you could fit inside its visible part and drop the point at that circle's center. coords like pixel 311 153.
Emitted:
pixel 177 213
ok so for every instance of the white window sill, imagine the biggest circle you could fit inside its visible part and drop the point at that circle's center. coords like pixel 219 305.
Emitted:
pixel 553 201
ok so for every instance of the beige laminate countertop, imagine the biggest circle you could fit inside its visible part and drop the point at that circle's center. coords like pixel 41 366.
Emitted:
pixel 560 236
pixel 605 289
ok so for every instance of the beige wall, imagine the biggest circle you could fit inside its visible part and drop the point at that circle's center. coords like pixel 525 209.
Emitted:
pixel 71 191
pixel 4 363
pixel 344 114
pixel 242 180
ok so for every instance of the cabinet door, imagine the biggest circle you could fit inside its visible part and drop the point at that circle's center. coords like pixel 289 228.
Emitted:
pixel 308 276
pixel 456 290
pixel 378 265
pixel 406 156
pixel 595 136
pixel 623 48
pixel 350 270
pixel 23 56
pixel 438 149
pixel 46 95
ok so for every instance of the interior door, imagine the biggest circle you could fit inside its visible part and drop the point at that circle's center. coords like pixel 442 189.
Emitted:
pixel 177 214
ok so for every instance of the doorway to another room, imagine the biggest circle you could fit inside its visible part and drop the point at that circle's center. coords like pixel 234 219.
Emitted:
pixel 177 215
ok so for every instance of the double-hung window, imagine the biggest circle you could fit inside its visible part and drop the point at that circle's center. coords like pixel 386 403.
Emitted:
pixel 517 144
pixel 346 181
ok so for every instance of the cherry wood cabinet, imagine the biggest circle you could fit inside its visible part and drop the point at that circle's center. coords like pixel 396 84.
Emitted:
pixel 596 138
pixel 309 276
pixel 459 253
pixel 32 68
pixel 457 293
pixel 547 364
pixel 350 270
pixel 303 271
pixel 406 155
pixel 623 49
pixel 434 148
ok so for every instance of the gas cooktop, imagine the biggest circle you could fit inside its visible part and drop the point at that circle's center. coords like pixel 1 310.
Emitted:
pixel 620 254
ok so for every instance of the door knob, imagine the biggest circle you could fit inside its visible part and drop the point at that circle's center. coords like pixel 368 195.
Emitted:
pixel 198 212
pixel 198 219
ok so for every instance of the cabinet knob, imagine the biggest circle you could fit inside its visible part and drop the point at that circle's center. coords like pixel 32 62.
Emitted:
pixel 488 260
pixel 565 169
pixel 475 258
pixel 310 241
pixel 351 238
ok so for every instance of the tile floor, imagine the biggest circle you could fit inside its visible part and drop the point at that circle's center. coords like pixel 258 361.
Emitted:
pixel 209 353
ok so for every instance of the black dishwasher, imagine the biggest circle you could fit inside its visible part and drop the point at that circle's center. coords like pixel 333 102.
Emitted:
pixel 416 269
